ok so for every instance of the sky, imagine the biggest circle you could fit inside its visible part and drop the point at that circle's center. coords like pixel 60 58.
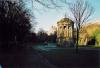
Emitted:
pixel 46 18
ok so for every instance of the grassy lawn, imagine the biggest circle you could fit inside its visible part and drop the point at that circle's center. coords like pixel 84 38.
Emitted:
pixel 87 57
pixel 90 46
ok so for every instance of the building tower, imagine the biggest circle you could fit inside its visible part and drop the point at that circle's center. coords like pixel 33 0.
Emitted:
pixel 65 29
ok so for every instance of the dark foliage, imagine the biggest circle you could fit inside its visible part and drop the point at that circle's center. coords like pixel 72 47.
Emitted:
pixel 31 38
pixel 52 38
pixel 14 22
pixel 91 42
pixel 42 36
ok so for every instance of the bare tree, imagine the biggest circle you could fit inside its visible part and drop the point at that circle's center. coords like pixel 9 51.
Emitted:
pixel 81 11
pixel 47 4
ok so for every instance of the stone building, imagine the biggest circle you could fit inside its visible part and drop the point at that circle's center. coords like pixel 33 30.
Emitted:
pixel 65 29
pixel 89 33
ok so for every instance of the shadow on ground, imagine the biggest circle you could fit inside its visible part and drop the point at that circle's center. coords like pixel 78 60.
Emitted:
pixel 68 58
pixel 23 57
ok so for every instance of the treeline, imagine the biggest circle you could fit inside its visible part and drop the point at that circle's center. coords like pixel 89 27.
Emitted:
pixel 15 26
pixel 40 37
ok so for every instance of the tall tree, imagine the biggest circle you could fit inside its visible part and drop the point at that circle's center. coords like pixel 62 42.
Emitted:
pixel 14 22
pixel 81 11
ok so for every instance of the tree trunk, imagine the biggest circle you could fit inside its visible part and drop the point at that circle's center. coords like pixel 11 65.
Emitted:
pixel 77 38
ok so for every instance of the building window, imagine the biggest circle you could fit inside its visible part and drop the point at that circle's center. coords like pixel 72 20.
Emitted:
pixel 64 27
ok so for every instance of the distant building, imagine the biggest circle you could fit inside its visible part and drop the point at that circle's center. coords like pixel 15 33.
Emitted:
pixel 65 35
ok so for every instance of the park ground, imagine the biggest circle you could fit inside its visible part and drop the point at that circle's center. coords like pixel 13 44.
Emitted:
pixel 50 57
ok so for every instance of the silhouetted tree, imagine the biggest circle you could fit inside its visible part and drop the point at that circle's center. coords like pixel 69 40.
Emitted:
pixel 42 36
pixel 14 22
pixel 31 38
pixel 52 37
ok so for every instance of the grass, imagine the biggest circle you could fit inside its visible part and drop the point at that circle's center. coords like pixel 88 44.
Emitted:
pixel 89 46
pixel 67 57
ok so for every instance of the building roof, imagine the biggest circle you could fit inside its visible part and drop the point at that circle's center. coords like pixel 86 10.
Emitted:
pixel 67 20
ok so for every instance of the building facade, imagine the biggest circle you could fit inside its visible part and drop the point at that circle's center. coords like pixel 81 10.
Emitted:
pixel 65 29
pixel 66 34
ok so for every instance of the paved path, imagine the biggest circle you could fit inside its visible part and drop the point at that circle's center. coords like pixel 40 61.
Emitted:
pixel 25 58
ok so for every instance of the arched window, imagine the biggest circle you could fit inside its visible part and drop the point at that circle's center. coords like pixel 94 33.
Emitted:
pixel 64 27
